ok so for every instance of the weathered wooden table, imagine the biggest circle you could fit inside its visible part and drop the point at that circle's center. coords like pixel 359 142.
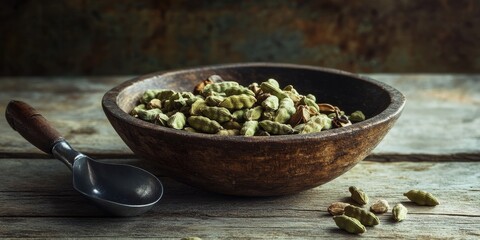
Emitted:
pixel 435 146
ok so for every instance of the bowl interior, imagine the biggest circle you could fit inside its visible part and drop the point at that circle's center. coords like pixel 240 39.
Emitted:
pixel 347 91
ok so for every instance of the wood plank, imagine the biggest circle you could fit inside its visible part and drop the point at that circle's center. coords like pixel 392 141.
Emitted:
pixel 440 120
pixel 441 116
pixel 72 105
pixel 36 200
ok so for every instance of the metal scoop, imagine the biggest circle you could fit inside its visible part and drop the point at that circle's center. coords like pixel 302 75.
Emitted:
pixel 120 189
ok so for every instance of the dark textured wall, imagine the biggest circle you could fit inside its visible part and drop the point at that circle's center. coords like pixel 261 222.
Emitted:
pixel 133 37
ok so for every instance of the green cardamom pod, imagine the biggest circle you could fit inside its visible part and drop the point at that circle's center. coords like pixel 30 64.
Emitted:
pixel 271 103
pixel 299 128
pixel 399 212
pixel 317 124
pixel 357 116
pixel 262 133
pixel 268 115
pixel 214 100
pixel 178 100
pixel 366 218
pixel 177 120
pixel 161 119
pixel 232 125
pixel 188 95
pixel 290 88
pixel 254 113
pixel 239 115
pixel 254 87
pixel 236 102
pixel 249 128
pixel 204 124
pixel 276 128
pixel 309 102
pixel 349 224
pixel 190 101
pixel 154 103
pixel 311 97
pixel 295 97
pixel 237 90
pixel 197 107
pixel 164 94
pixel 269 88
pixel 273 82
pixel 281 115
pixel 219 87
pixel 219 114
pixel 135 110
pixel 286 109
pixel 421 198
pixel 148 95
pixel 229 132
pixel 148 115
pixel 358 195
pixel 190 129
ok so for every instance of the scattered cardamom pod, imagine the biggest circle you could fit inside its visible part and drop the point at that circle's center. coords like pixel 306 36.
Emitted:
pixel 421 198
pixel 349 224
pixel 399 212
pixel 337 208
pixel 191 238
pixel 358 195
pixel 366 218
pixel 380 206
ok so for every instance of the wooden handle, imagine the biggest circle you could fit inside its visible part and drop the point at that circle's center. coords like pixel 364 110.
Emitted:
pixel 27 121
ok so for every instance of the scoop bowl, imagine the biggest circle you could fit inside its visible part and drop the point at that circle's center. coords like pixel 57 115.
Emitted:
pixel 258 166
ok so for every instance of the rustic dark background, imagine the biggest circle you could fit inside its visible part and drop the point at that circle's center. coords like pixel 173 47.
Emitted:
pixel 91 37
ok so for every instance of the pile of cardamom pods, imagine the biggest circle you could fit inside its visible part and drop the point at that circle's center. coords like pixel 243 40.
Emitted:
pixel 227 108
pixel 354 219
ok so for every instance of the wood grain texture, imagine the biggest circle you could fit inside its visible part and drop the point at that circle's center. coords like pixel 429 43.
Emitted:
pixel 29 123
pixel 36 200
pixel 447 130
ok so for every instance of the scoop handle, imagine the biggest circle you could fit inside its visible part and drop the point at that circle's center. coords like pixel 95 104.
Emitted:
pixel 27 121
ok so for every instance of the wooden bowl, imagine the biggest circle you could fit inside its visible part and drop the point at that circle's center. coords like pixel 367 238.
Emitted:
pixel 258 166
